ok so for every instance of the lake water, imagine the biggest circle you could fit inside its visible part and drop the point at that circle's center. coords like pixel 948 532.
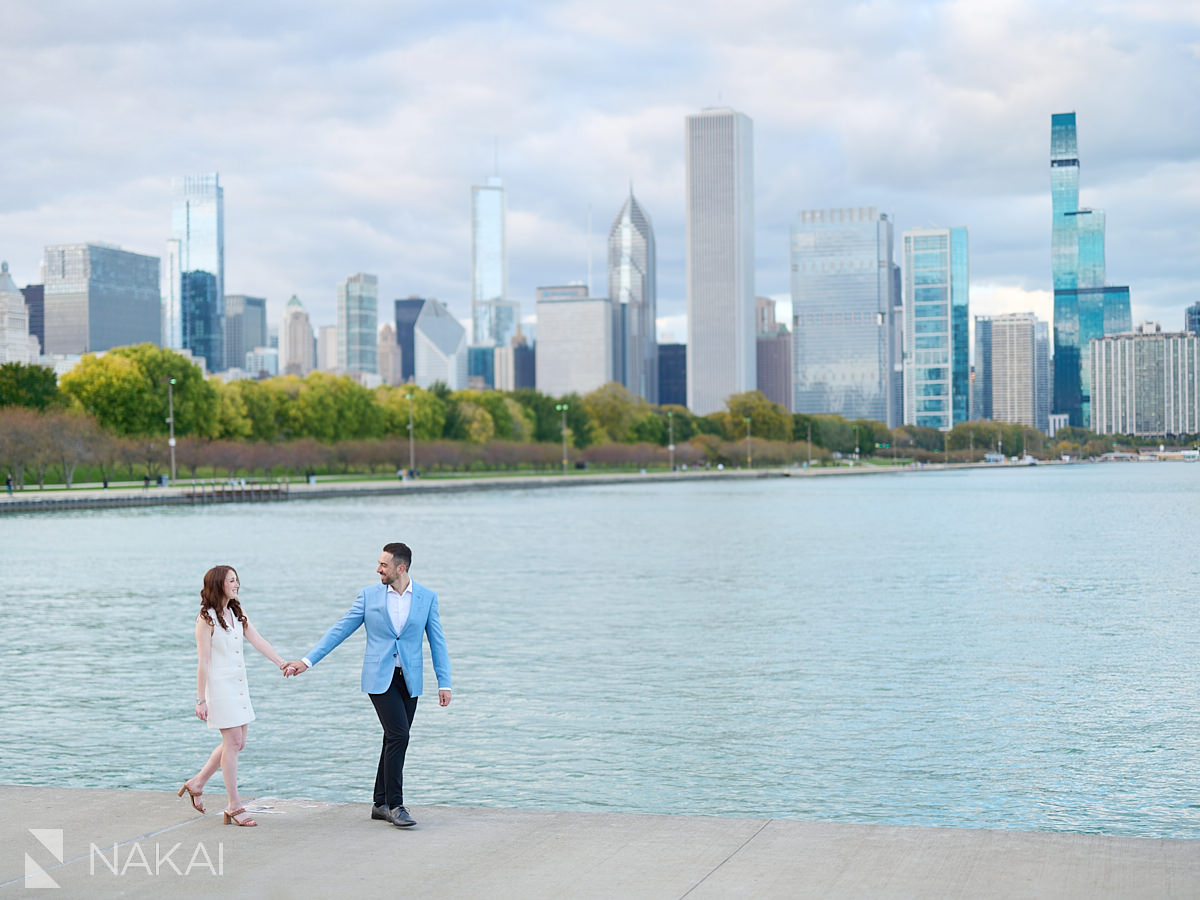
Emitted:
pixel 1009 648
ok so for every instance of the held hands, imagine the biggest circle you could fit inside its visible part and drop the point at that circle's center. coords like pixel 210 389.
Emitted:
pixel 295 667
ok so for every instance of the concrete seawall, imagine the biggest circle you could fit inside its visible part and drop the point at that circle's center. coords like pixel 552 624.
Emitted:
pixel 114 843
pixel 187 494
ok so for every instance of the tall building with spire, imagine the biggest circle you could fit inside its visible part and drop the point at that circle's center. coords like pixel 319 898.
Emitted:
pixel 196 251
pixel 1084 306
pixel 631 288
pixel 493 317
pixel 721 344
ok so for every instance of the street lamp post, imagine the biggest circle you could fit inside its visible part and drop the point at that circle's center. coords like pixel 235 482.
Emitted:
pixel 171 423
pixel 671 437
pixel 562 408
pixel 810 444
pixel 746 419
pixel 412 463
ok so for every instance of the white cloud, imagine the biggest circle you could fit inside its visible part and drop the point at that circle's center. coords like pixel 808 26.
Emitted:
pixel 348 137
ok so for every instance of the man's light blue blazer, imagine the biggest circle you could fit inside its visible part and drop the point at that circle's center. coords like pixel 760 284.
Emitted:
pixel 385 647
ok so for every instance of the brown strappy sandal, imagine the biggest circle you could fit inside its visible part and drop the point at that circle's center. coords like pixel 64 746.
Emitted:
pixel 194 796
pixel 231 818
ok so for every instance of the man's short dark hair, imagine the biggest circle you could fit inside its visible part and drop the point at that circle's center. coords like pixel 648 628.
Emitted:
pixel 400 553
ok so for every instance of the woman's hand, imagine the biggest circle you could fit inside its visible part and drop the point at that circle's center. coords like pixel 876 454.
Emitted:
pixel 202 710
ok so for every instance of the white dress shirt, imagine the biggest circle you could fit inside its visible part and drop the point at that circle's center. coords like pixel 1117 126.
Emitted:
pixel 399 604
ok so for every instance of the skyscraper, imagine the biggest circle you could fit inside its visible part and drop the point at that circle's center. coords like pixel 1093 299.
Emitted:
pixel 326 359
pixel 1084 307
pixel 245 328
pixel 1146 383
pixel 388 356
pixel 937 371
pixel 17 344
pixel 721 344
pixel 843 283
pixel 98 296
pixel 439 347
pixel 672 374
pixel 35 302
pixel 631 287
pixel 1191 318
pixel 296 349
pixel 357 323
pixel 574 340
pixel 198 237
pixel 1012 369
pixel 774 352
pixel 1043 376
pixel 493 317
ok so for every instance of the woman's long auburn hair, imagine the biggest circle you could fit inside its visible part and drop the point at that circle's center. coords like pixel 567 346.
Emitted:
pixel 213 593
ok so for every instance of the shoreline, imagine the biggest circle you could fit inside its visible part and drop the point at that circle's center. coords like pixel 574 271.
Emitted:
pixel 199 493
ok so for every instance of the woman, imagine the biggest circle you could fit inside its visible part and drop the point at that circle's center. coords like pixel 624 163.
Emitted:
pixel 224 698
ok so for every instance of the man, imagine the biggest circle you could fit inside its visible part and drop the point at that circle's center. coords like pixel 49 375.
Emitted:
pixel 396 612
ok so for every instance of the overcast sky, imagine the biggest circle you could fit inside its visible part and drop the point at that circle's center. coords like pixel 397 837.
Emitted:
pixel 347 135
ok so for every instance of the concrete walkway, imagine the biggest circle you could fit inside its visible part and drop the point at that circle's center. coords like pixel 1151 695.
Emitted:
pixel 160 848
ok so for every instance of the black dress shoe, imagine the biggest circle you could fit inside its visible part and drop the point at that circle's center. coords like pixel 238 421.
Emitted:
pixel 380 812
pixel 399 816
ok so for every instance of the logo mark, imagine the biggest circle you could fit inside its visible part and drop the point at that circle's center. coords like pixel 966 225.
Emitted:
pixel 52 840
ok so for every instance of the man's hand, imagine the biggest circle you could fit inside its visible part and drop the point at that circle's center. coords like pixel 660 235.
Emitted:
pixel 443 697
pixel 295 667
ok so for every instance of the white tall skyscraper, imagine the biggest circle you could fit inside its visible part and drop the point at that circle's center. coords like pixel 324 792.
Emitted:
pixel 493 317
pixel 574 340
pixel 358 323
pixel 721 347
pixel 631 287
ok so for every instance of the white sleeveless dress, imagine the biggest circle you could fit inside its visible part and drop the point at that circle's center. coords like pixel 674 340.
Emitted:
pixel 228 694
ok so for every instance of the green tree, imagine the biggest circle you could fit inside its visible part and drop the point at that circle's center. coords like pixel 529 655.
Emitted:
pixel 428 410
pixel 768 420
pixel 112 389
pixel 233 418
pixel 540 407
pixel 836 434
pixel 477 423
pixel 494 403
pixel 31 386
pixel 259 403
pixel 126 391
pixel 614 410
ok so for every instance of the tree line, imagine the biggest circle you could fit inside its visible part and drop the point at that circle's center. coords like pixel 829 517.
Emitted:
pixel 110 414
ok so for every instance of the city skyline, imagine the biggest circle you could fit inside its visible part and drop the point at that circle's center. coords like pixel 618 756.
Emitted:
pixel 336 162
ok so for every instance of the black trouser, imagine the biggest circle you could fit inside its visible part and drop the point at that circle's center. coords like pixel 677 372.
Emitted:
pixel 395 709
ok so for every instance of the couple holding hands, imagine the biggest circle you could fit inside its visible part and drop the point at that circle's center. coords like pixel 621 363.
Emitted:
pixel 398 614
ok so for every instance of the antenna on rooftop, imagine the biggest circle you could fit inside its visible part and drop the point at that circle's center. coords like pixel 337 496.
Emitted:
pixel 589 249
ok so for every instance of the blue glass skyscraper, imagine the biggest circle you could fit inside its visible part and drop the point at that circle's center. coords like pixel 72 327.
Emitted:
pixel 198 237
pixel 1084 307
pixel 937 373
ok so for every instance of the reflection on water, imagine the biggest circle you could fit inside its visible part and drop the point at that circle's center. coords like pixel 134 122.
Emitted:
pixel 1004 649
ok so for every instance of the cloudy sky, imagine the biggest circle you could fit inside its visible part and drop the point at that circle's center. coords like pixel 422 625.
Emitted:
pixel 347 135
